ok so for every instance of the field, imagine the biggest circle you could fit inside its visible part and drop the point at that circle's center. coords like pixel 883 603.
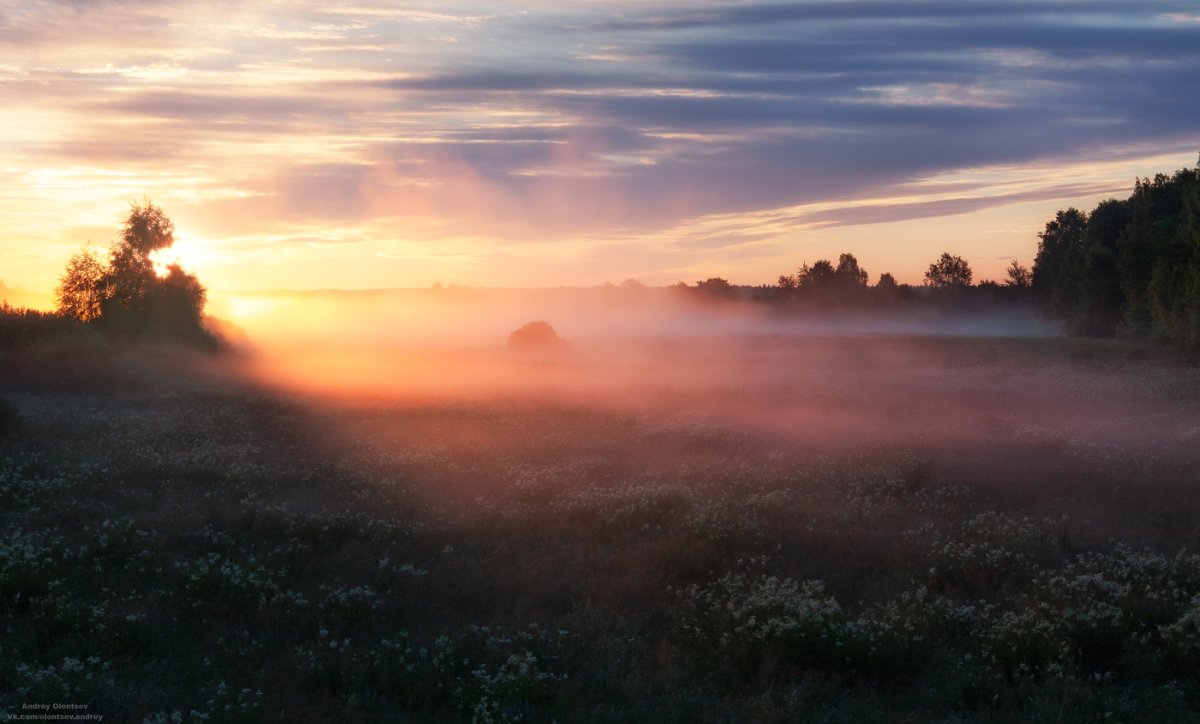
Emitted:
pixel 693 528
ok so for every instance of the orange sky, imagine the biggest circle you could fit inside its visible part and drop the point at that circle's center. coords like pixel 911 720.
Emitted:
pixel 302 145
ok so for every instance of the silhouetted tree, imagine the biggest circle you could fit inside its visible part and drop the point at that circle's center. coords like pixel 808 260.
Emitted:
pixel 1058 267
pixel 820 275
pixel 715 288
pixel 79 294
pixel 1131 265
pixel 176 304
pixel 537 335
pixel 130 277
pixel 1160 258
pixel 128 296
pixel 848 272
pixel 948 271
pixel 1018 276
pixel 1099 302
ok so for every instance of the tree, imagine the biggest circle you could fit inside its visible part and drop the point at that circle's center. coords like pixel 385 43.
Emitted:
pixel 79 294
pixel 130 277
pixel 886 281
pixel 1100 303
pixel 176 305
pixel 1018 276
pixel 849 273
pixel 1130 266
pixel 127 296
pixel 715 288
pixel 821 274
pixel 1058 267
pixel 948 271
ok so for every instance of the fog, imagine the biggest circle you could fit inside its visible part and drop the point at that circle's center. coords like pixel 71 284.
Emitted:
pixel 621 346
pixel 836 382
pixel 466 316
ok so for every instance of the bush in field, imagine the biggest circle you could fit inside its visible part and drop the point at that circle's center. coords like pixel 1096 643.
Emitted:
pixel 20 326
pixel 537 335
pixel 739 622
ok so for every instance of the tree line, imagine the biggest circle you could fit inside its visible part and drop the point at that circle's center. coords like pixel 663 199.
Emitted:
pixel 1131 267
pixel 825 285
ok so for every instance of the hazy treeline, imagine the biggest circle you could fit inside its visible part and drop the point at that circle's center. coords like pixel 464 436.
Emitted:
pixel 1130 267
pixel 828 288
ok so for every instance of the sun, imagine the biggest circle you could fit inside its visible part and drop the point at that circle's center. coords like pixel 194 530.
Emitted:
pixel 188 251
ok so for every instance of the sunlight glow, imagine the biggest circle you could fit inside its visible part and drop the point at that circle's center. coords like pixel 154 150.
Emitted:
pixel 355 145
pixel 243 308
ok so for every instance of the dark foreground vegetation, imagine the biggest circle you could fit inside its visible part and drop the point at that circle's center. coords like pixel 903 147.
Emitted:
pixel 853 530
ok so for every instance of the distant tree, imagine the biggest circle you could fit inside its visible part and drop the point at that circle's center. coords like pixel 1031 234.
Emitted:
pixel 824 283
pixel 79 294
pixel 886 281
pixel 537 335
pixel 820 275
pixel 948 271
pixel 632 284
pixel 849 273
pixel 1018 276
pixel 715 287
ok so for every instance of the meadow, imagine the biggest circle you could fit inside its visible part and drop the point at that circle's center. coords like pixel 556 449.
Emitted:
pixel 766 527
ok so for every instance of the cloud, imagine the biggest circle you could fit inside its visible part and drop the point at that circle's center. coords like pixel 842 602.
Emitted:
pixel 858 215
pixel 549 124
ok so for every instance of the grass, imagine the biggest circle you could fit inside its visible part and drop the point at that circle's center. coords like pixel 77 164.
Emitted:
pixel 872 529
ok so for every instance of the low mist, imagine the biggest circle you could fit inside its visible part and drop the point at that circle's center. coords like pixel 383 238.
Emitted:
pixel 614 347
pixel 836 383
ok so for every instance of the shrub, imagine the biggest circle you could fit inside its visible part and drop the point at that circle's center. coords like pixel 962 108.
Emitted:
pixel 537 335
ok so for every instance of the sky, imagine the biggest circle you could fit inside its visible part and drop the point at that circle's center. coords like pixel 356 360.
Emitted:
pixel 351 145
